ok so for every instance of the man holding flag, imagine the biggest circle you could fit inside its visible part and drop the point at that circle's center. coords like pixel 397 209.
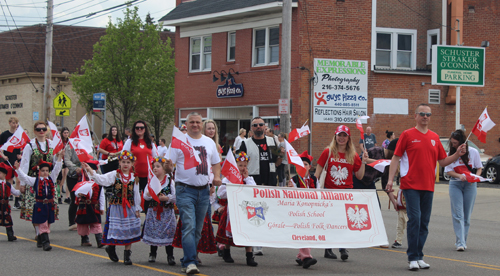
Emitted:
pixel 194 154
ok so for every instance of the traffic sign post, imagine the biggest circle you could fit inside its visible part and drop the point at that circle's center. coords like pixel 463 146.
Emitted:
pixel 62 104
pixel 284 106
pixel 458 65
pixel 99 102
pixel 62 112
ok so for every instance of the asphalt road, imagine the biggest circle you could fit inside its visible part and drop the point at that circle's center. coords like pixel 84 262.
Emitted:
pixel 69 258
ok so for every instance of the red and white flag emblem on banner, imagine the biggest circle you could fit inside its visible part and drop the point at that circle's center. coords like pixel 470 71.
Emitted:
pixel 470 176
pixel 230 169
pixel 82 149
pixel 359 125
pixel 358 217
pixel 380 165
pixel 82 131
pixel 17 141
pixel 483 125
pixel 57 143
pixel 298 133
pixel 154 185
pixel 294 158
pixel 179 141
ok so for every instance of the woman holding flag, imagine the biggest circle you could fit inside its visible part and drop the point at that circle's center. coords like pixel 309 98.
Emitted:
pixel 462 193
pixel 341 162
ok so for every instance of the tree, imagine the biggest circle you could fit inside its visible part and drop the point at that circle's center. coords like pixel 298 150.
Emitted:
pixel 135 69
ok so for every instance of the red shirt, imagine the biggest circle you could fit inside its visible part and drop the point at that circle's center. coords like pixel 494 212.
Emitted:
pixel 141 152
pixel 339 173
pixel 419 155
pixel 110 146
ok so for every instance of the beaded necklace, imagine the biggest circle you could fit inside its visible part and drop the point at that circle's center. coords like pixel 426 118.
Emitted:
pixel 125 179
pixel 46 147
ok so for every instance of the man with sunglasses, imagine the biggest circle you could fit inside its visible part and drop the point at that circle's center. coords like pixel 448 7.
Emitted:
pixel 417 152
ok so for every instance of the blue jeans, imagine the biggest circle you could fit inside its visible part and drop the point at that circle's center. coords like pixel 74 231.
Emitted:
pixel 462 198
pixel 418 208
pixel 193 205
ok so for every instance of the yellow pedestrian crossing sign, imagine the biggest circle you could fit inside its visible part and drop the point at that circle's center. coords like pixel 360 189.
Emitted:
pixel 62 112
pixel 62 101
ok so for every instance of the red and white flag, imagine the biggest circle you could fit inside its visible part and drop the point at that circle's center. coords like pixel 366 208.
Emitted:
pixel 474 177
pixel 298 133
pixel 82 149
pixel 230 169
pixel 82 131
pixel 380 164
pixel 359 125
pixel 57 143
pixel 294 158
pixel 17 141
pixel 483 125
pixel 180 141
pixel 154 184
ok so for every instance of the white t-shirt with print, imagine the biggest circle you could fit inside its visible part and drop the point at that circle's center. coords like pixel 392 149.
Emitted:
pixel 474 162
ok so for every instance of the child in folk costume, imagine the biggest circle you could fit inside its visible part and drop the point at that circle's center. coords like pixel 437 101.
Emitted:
pixel 6 190
pixel 91 206
pixel 304 258
pixel 45 195
pixel 224 234
pixel 123 223
pixel 160 223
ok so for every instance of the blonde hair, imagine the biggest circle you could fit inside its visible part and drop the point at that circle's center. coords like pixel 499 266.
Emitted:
pixel 13 119
pixel 242 130
pixel 216 136
pixel 350 151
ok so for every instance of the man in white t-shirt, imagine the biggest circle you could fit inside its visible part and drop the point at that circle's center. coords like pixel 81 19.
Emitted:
pixel 162 149
pixel 192 188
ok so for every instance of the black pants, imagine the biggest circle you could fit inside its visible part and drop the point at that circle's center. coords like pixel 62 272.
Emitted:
pixel 71 182
pixel 143 181
pixel 112 166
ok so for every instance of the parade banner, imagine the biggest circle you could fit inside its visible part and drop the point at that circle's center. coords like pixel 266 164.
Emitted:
pixel 304 218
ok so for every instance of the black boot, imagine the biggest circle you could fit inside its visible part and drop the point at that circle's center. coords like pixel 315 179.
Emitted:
pixel 38 241
pixel 329 254
pixel 10 234
pixel 45 242
pixel 227 256
pixel 86 241
pixel 307 262
pixel 152 254
pixel 250 260
pixel 126 257
pixel 170 255
pixel 220 253
pixel 98 239
pixel 111 250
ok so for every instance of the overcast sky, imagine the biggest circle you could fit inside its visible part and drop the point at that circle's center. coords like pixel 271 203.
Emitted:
pixel 30 12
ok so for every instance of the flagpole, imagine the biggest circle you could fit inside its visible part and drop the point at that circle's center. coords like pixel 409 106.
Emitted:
pixel 468 137
pixel 305 123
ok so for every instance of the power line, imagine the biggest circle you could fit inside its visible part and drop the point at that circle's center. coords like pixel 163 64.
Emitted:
pixel 82 8
pixel 60 4
pixel 94 13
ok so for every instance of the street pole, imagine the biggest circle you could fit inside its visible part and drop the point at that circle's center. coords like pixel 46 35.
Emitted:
pixel 457 91
pixel 286 56
pixel 48 60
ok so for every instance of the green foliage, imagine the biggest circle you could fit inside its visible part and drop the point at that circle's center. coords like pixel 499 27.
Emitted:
pixel 136 70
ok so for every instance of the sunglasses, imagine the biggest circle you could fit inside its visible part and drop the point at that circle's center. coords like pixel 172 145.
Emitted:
pixel 259 124
pixel 40 129
pixel 423 114
pixel 139 128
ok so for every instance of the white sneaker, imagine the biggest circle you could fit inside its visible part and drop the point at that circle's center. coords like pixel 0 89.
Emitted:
pixel 192 269
pixel 413 266
pixel 460 248
pixel 423 265
pixel 183 269
pixel 257 250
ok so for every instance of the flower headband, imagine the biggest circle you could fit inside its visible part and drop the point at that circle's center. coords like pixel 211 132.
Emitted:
pixel 127 155
pixel 159 159
pixel 242 156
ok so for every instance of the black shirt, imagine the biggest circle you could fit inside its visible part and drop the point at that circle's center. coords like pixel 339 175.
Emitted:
pixel 4 137
pixel 267 154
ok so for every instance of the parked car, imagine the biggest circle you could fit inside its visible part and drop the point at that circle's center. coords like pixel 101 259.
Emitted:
pixel 484 159
pixel 492 168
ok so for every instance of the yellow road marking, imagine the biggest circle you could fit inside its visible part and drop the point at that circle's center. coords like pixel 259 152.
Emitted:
pixel 485 267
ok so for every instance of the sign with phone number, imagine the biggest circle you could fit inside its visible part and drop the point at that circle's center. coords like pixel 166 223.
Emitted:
pixel 340 90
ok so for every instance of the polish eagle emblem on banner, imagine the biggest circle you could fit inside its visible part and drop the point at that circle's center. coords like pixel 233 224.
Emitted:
pixel 255 212
pixel 358 217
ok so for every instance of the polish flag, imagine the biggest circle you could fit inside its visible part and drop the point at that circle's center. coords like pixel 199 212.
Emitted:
pixel 483 125
pixel 17 141
pixel 380 164
pixel 180 141
pixel 298 133
pixel 294 158
pixel 154 184
pixel 82 131
pixel 230 169
pixel 82 149
pixel 474 177
pixel 57 143
pixel 360 126
pixel 85 186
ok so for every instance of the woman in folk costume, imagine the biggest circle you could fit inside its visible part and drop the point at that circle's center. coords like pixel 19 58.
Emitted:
pixel 6 190
pixel 224 234
pixel 160 223
pixel 123 223
pixel 91 204
pixel 304 258
pixel 44 189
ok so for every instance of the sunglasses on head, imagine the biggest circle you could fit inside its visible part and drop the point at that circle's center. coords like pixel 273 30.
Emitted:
pixel 38 129
pixel 424 114
pixel 140 127
pixel 259 124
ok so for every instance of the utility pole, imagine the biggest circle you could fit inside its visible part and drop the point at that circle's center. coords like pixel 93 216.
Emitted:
pixel 286 57
pixel 48 60
pixel 458 125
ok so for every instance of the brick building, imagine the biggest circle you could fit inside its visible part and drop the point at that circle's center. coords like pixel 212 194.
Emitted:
pixel 391 38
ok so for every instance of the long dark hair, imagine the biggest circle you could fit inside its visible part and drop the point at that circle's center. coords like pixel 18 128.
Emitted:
pixel 147 136
pixel 110 134
pixel 459 135
pixel 63 130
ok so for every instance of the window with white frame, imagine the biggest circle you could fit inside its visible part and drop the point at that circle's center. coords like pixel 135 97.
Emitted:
pixel 266 46
pixel 200 58
pixel 432 39
pixel 396 48
pixel 434 96
pixel 231 46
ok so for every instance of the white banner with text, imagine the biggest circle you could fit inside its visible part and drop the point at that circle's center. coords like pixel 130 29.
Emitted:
pixel 303 218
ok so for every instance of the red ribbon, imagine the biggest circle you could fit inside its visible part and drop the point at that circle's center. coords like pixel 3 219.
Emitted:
pixel 159 210
pixel 125 201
